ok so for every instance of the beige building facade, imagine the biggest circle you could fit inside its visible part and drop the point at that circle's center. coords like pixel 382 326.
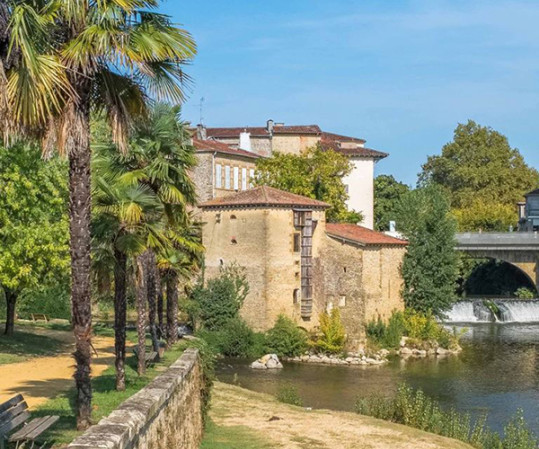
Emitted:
pixel 299 265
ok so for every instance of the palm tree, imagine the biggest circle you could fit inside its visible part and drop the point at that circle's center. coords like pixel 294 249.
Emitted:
pixel 74 56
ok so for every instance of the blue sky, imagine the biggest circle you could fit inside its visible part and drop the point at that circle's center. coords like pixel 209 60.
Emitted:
pixel 398 73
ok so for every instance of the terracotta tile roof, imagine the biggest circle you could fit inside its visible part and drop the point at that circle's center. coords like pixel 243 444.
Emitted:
pixel 256 131
pixel 219 147
pixel 341 138
pixel 333 142
pixel 303 129
pixel 264 196
pixel 361 235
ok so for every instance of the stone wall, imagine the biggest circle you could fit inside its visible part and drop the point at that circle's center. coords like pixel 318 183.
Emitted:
pixel 165 414
pixel 202 176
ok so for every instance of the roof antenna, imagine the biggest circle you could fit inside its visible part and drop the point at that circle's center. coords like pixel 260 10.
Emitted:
pixel 201 106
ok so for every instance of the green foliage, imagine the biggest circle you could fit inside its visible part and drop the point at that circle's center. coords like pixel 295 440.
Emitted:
pixel 51 301
pixel 332 336
pixel 430 266
pixel 221 299
pixel 288 394
pixel 387 194
pixel 234 339
pixel 413 408
pixel 483 175
pixel 316 173
pixel 285 338
pixel 419 327
pixel 525 293
pixel 33 219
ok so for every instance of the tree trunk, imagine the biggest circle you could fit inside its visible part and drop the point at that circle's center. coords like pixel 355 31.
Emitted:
pixel 11 300
pixel 142 293
pixel 158 282
pixel 78 146
pixel 172 308
pixel 120 316
pixel 151 277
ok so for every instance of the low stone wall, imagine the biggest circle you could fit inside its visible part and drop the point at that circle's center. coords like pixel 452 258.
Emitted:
pixel 166 414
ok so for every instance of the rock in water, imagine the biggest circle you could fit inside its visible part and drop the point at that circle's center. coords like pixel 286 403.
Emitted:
pixel 269 361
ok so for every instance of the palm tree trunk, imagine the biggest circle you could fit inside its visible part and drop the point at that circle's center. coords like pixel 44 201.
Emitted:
pixel 120 316
pixel 151 269
pixel 172 308
pixel 161 329
pixel 142 293
pixel 11 300
pixel 79 226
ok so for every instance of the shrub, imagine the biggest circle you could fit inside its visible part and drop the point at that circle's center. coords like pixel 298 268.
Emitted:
pixel 288 394
pixel 285 338
pixel 221 299
pixel 332 335
pixel 51 301
pixel 413 408
pixel 525 293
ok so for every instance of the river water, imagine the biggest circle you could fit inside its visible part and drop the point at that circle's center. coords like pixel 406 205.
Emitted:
pixel 497 373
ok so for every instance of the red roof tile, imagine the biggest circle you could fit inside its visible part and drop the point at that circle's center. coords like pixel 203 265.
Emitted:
pixel 219 147
pixel 257 131
pixel 361 235
pixel 333 142
pixel 264 196
pixel 341 138
pixel 302 129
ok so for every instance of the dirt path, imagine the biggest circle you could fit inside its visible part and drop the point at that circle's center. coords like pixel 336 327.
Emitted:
pixel 42 378
pixel 289 427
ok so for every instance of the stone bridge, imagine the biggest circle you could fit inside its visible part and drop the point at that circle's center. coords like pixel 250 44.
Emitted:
pixel 520 249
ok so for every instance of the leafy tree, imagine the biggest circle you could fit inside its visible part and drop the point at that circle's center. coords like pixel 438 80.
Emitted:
pixel 316 173
pixel 33 224
pixel 332 336
pixel 58 61
pixel 430 266
pixel 387 193
pixel 483 175
pixel 285 338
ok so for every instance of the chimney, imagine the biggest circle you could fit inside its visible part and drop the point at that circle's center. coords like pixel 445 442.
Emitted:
pixel 245 141
pixel 201 132
pixel 269 126
pixel 521 210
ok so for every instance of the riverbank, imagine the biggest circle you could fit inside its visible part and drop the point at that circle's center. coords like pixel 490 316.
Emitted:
pixel 263 422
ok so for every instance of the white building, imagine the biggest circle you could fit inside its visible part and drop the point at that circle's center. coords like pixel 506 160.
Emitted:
pixel 263 141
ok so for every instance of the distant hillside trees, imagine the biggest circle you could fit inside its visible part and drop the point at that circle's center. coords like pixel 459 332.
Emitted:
pixel 483 176
pixel 316 173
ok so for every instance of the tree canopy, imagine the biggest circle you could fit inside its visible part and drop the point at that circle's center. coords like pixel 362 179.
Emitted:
pixel 483 176
pixel 315 173
pixel 430 266
pixel 387 193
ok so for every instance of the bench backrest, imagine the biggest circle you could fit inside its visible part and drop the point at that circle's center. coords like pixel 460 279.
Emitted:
pixel 13 413
pixel 39 316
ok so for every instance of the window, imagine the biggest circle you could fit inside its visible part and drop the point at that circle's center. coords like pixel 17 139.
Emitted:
pixel 251 178
pixel 342 301
pixel 347 188
pixel 236 178
pixel 227 176
pixel 218 176
pixel 243 179
pixel 297 242
pixel 295 296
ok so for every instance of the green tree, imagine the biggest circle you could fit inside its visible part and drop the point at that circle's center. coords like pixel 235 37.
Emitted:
pixel 316 173
pixel 430 266
pixel 33 224
pixel 387 193
pixel 483 175
pixel 59 61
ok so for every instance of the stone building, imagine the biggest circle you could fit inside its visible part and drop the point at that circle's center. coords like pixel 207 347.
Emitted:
pixel 299 265
pixel 264 141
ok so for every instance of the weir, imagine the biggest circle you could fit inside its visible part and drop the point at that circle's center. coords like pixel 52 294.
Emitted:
pixel 494 310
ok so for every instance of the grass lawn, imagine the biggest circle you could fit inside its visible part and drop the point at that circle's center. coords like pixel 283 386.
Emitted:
pixel 24 345
pixel 234 437
pixel 105 397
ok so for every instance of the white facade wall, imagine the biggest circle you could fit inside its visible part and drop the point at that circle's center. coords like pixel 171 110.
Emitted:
pixel 360 184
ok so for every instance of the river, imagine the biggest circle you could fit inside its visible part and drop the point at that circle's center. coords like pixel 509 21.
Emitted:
pixel 497 372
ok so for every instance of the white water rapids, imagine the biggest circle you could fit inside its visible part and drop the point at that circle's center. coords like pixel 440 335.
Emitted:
pixel 510 311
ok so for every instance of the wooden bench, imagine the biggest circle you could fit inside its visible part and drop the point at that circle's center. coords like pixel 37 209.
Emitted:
pixel 14 414
pixel 149 358
pixel 39 317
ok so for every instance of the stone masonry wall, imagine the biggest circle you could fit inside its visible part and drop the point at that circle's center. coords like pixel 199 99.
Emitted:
pixel 202 176
pixel 166 414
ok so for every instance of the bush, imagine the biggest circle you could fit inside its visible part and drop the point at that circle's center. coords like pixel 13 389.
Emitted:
pixel 525 293
pixel 288 394
pixel 285 338
pixel 413 408
pixel 51 301
pixel 221 299
pixel 332 335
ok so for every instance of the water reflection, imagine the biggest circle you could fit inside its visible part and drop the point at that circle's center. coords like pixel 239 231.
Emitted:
pixel 497 372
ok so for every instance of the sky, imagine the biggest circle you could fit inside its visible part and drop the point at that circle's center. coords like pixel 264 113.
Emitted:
pixel 399 73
